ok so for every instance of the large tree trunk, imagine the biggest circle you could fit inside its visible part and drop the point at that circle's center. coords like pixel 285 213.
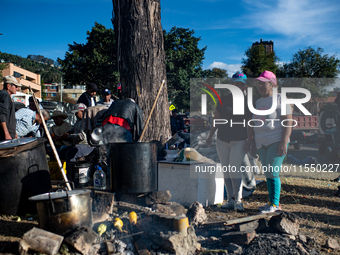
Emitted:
pixel 141 59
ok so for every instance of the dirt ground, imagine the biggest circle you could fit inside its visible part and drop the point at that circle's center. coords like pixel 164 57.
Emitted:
pixel 311 199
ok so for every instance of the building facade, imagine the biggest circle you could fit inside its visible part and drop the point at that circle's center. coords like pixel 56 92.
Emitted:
pixel 268 45
pixel 25 78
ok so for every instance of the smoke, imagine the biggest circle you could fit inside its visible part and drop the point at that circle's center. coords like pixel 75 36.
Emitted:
pixel 115 134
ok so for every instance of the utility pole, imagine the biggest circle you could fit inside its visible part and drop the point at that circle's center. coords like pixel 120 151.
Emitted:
pixel 61 89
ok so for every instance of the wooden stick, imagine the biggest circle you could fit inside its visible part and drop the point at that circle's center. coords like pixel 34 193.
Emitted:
pixel 50 140
pixel 153 107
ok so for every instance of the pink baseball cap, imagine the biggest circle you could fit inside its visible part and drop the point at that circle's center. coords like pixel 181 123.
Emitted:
pixel 267 76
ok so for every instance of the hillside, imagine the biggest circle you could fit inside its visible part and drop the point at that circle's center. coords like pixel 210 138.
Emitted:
pixel 49 74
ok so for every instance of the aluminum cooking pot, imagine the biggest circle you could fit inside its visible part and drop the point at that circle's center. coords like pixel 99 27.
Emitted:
pixel 63 211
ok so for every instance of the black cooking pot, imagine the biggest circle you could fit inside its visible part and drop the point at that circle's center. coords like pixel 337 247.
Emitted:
pixel 63 211
pixel 23 173
pixel 133 167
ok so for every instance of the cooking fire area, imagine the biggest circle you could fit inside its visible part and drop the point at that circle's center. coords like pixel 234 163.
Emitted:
pixel 150 224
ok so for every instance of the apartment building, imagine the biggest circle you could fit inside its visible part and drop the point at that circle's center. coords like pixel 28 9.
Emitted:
pixel 25 78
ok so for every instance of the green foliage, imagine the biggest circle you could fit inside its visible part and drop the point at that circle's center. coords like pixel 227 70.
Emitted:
pixel 48 73
pixel 2 67
pixel 311 63
pixel 257 61
pixel 215 73
pixel 94 61
pixel 183 61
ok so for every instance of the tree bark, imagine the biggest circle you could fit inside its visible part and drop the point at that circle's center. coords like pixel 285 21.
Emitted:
pixel 141 60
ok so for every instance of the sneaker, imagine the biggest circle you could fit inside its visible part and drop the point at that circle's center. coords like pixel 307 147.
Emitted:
pixel 229 204
pixel 238 206
pixel 270 209
pixel 266 206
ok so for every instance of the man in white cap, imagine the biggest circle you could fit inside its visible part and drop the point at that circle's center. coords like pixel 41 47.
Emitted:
pixel 7 110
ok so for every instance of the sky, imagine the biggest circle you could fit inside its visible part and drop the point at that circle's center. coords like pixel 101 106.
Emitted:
pixel 227 28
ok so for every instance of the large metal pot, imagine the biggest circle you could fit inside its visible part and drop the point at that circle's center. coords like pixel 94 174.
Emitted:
pixel 63 211
pixel 133 167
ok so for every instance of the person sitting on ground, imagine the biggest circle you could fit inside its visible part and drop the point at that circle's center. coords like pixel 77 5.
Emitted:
pixel 28 122
pixel 88 98
pixel 106 99
pixel 122 122
pixel 59 129
pixel 176 122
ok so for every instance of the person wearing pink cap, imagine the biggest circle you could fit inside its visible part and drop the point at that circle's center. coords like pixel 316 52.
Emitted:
pixel 271 137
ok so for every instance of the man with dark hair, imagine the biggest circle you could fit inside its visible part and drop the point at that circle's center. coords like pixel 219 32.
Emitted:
pixel 7 109
pixel 88 98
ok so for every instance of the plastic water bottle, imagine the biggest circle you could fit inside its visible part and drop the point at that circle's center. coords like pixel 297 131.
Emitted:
pixel 99 178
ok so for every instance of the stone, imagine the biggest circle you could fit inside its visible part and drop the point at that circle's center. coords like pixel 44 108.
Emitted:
pixel 94 249
pixel 177 243
pixel 158 197
pixel 196 214
pixel 172 208
pixel 252 225
pixel 332 243
pixel 291 237
pixel 287 223
pixel 238 237
pixel 234 248
pixel 303 238
pixel 111 248
pixel 41 241
pixel 212 239
pixel 301 249
pixel 82 239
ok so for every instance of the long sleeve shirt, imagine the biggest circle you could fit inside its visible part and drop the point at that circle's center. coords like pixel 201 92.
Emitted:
pixel 24 123
pixel 7 114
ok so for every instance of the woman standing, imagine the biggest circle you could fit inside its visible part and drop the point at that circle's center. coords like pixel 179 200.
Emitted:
pixel 230 143
pixel 271 137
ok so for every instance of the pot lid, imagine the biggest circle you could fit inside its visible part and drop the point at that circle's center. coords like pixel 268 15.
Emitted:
pixel 16 142
pixel 59 194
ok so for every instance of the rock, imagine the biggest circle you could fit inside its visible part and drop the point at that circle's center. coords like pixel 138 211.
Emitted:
pixel 111 248
pixel 158 197
pixel 286 223
pixel 172 208
pixel 303 238
pixel 240 238
pixel 196 214
pixel 212 239
pixel 41 241
pixel 177 243
pixel 291 237
pixel 301 248
pixel 94 249
pixel 332 243
pixel 234 248
pixel 82 239
pixel 252 225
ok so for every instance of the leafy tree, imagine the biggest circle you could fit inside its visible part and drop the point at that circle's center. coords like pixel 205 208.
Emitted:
pixel 183 61
pixel 2 67
pixel 257 61
pixel 94 61
pixel 215 73
pixel 311 63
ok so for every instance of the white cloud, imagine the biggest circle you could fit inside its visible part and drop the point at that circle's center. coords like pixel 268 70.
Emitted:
pixel 231 69
pixel 304 21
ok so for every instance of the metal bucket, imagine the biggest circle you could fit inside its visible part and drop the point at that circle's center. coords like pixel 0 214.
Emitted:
pixel 133 167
